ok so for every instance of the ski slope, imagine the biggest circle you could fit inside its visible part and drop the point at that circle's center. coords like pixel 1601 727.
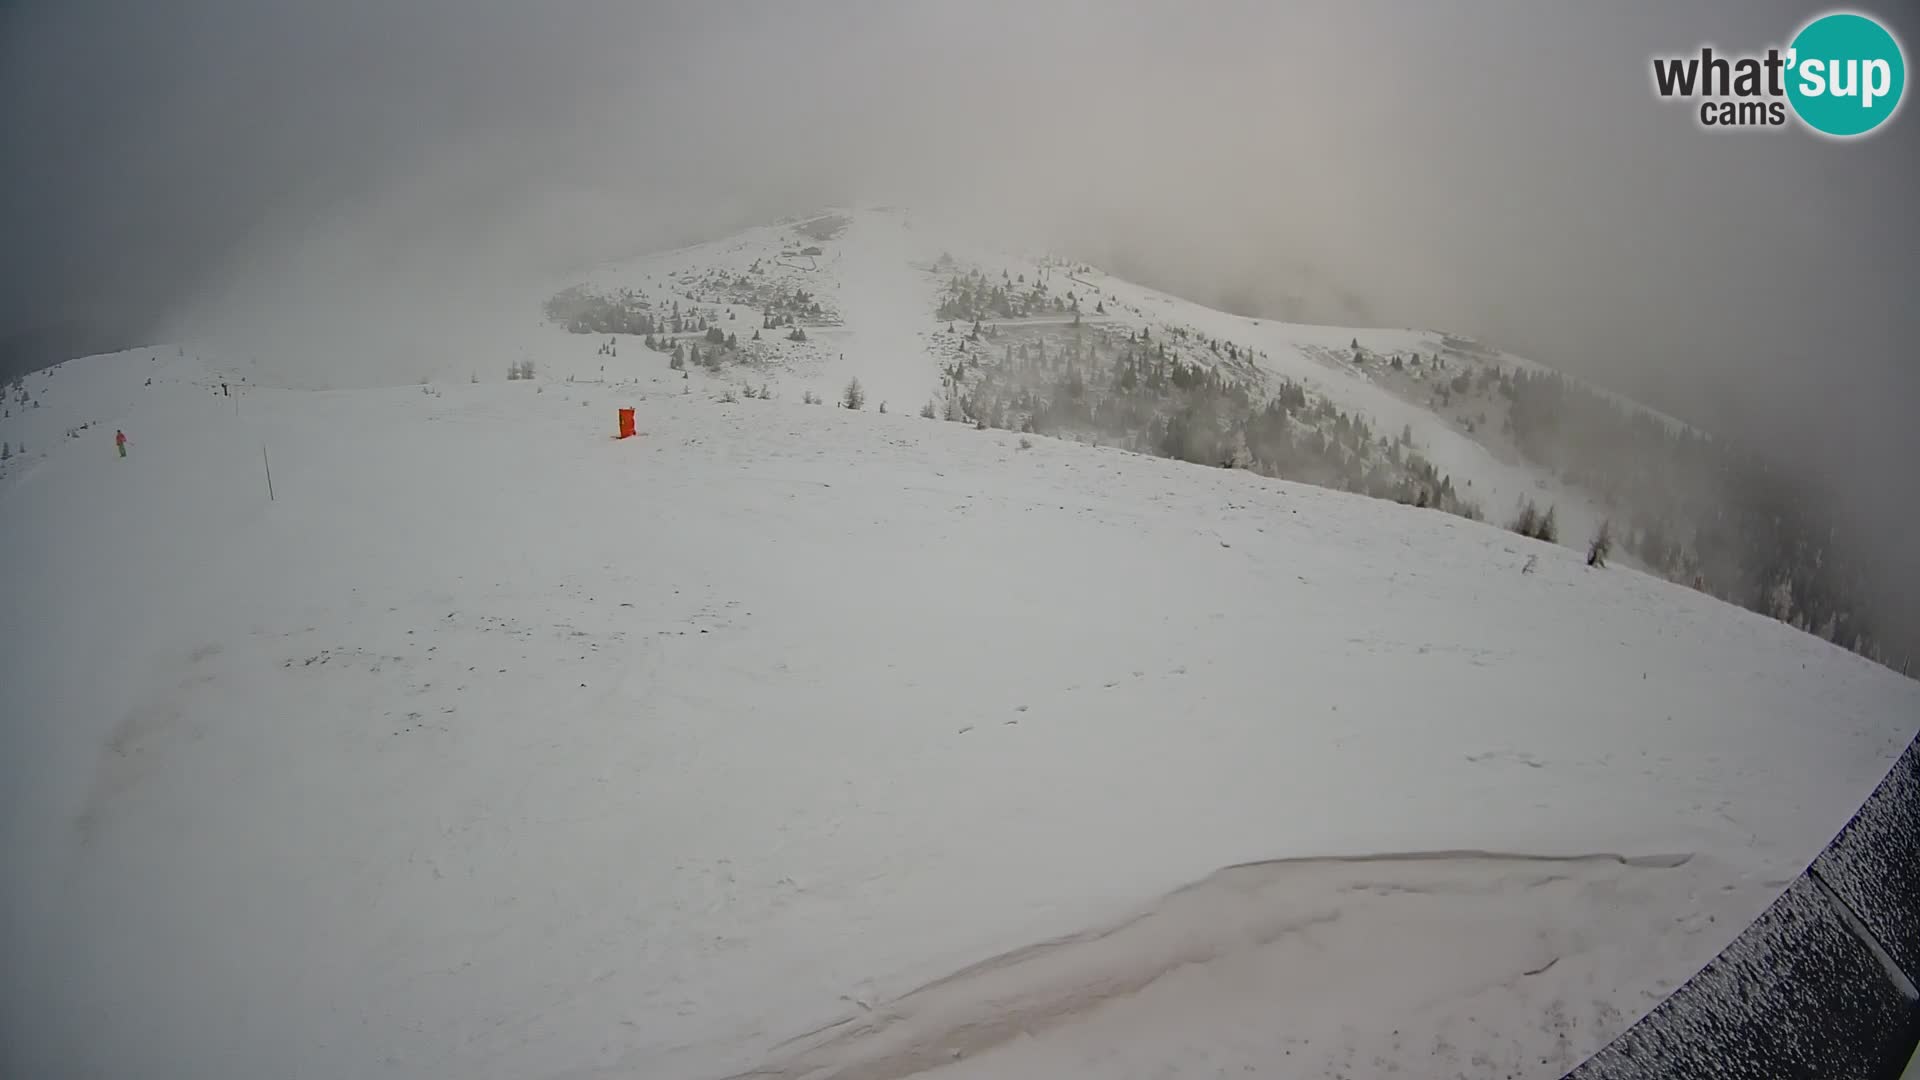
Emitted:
pixel 788 741
pixel 879 276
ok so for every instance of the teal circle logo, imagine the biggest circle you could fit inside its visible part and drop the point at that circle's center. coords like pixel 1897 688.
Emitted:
pixel 1845 74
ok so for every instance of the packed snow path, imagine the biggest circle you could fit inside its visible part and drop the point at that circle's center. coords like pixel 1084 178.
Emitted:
pixel 890 304
pixel 495 747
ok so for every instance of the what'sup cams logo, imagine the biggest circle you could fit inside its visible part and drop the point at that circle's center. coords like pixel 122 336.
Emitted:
pixel 1841 76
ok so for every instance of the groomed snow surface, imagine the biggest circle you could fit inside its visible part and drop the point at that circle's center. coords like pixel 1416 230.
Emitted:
pixel 784 741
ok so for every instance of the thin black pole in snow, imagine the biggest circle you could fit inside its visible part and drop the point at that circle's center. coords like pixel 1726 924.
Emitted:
pixel 269 465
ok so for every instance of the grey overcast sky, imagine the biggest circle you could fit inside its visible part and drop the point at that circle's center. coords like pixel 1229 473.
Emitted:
pixel 1496 167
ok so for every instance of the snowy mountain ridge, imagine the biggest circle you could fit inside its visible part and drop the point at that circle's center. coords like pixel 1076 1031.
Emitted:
pixel 792 740
pixel 1046 345
pixel 879 278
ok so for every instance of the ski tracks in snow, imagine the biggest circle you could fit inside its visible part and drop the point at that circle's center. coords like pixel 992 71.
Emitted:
pixel 1298 941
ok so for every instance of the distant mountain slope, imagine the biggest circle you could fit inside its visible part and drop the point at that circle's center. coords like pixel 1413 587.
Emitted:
pixel 878 279
pixel 935 319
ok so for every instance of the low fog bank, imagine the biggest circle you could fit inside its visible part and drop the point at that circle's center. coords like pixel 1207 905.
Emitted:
pixel 348 187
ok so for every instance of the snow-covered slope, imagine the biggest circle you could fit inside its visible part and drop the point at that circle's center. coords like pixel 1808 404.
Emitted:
pixel 878 275
pixel 789 741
